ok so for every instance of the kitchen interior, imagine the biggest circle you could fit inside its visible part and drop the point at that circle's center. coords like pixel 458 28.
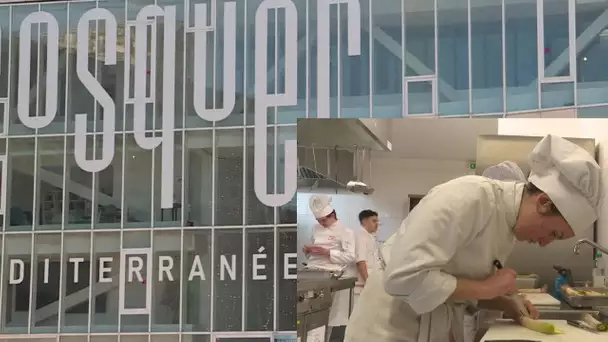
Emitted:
pixel 388 165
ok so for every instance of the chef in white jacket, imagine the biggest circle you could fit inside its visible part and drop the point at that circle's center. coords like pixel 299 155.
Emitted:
pixel 367 249
pixel 507 171
pixel 440 260
pixel 332 248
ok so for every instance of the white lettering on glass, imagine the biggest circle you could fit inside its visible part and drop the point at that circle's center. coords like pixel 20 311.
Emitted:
pixel 145 80
pixel 288 265
pixel 141 98
pixel 200 63
pixel 323 47
pixel 257 267
pixel 103 269
pixel 264 100
pixel 96 89
pixel 52 70
pixel 12 272
pixel 168 269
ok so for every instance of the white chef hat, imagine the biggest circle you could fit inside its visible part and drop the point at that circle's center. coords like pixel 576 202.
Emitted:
pixel 320 206
pixel 505 171
pixel 571 177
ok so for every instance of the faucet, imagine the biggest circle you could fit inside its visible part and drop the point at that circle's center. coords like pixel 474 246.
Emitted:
pixel 590 243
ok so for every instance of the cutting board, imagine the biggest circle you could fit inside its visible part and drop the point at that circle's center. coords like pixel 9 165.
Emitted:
pixel 542 299
pixel 510 330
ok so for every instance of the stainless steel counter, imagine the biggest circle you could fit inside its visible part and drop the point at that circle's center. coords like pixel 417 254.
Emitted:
pixel 314 303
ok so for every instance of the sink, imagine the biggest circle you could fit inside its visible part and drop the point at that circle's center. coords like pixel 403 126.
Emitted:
pixel 564 315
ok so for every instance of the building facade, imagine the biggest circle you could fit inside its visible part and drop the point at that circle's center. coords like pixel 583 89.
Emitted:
pixel 144 143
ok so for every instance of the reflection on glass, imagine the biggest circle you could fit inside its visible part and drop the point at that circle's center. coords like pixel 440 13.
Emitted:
pixel 78 190
pixel 486 56
pixel 50 182
pixel 198 154
pixel 259 279
pixel 20 185
pixel 258 213
pixel 287 272
pixel 76 281
pixel 16 288
pixel 47 264
pixel 387 62
pixel 419 97
pixel 419 21
pixel 453 57
pixel 196 287
pixel 171 217
pixel 287 213
pixel 229 177
pixel 166 277
pixel 556 95
pixel 137 183
pixel 106 256
pixel 228 279
pixel 107 194
pixel 521 55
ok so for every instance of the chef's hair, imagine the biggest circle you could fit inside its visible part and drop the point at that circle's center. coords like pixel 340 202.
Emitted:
pixel 366 214
pixel 532 189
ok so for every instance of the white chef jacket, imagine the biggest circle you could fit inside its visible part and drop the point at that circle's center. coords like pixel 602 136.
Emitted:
pixel 367 250
pixel 457 230
pixel 341 244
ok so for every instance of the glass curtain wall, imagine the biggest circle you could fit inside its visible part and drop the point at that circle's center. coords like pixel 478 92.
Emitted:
pixel 127 208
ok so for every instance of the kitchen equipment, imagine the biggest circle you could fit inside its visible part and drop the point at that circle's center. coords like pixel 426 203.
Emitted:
pixel 527 281
pixel 564 277
pixel 542 300
pixel 581 325
pixel 594 323
pixel 579 297
pixel 516 298
pixel 315 288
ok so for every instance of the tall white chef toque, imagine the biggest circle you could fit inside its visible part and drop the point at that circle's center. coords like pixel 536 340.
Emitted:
pixel 571 177
pixel 505 171
pixel 320 206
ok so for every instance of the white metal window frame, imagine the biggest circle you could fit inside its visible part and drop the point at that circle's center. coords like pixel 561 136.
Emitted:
pixel 540 36
pixel 124 253
pixel 3 190
pixel 432 79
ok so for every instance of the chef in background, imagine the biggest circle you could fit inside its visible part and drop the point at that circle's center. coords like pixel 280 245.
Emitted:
pixel 367 248
pixel 440 260
pixel 332 249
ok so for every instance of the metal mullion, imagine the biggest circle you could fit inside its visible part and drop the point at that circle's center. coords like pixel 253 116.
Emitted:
pixel 244 199
pixel 338 71
pixel 504 56
pixel 307 32
pixel 403 59
pixel 469 57
pixel 436 52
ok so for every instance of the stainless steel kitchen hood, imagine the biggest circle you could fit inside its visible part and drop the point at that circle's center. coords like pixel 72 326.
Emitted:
pixel 373 134
pixel 528 258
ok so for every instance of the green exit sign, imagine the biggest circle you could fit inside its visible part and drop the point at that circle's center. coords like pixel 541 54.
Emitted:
pixel 472 166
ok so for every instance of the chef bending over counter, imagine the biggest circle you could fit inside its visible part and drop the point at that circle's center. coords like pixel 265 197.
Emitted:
pixel 332 249
pixel 447 255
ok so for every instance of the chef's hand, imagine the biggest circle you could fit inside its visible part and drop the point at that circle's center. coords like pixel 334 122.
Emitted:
pixel 502 282
pixel 511 310
pixel 306 249
pixel 315 250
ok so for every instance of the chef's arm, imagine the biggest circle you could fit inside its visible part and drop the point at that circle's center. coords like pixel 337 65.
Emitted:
pixel 362 268
pixel 348 253
pixel 362 256
pixel 427 240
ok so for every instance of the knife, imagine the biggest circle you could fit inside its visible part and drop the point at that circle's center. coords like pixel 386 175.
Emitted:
pixel 515 297
pixel 581 325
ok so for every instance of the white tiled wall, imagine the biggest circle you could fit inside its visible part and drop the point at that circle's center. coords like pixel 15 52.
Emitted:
pixel 394 180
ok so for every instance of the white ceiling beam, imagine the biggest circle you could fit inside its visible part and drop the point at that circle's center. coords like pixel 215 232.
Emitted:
pixel 412 61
